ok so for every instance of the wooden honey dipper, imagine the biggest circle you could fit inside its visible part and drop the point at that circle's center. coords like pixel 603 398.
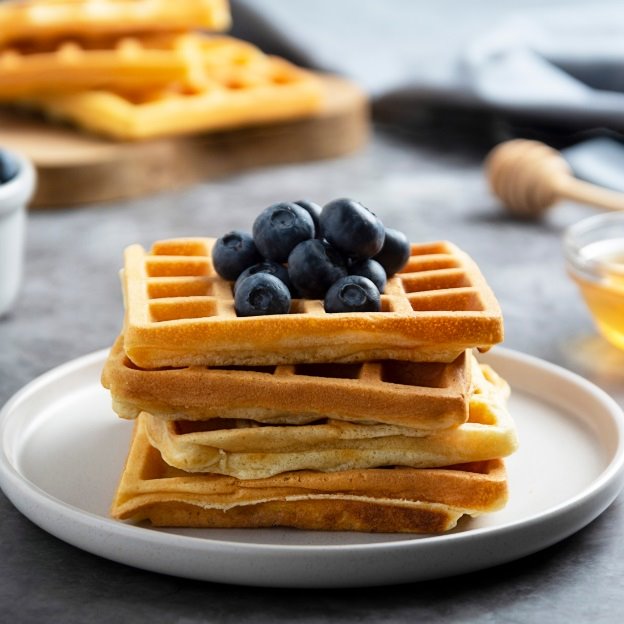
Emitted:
pixel 529 177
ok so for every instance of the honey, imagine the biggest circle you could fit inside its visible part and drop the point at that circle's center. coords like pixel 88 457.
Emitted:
pixel 603 288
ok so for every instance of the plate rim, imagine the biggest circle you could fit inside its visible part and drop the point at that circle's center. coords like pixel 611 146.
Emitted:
pixel 610 479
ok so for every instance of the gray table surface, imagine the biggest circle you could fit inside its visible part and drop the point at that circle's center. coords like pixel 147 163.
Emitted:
pixel 429 186
pixel 70 305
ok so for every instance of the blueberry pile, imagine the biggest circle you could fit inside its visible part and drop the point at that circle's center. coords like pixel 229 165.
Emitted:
pixel 341 253
pixel 8 167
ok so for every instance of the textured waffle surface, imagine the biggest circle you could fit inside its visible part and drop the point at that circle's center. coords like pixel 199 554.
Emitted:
pixel 50 19
pixel 233 85
pixel 380 500
pixel 419 395
pixel 179 312
pixel 246 450
pixel 136 63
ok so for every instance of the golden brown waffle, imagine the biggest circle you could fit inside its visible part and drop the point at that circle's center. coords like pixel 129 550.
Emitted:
pixel 179 312
pixel 380 500
pixel 409 394
pixel 54 19
pixel 127 63
pixel 246 450
pixel 239 86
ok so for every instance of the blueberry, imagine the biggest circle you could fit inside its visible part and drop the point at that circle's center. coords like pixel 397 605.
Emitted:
pixel 352 228
pixel 314 210
pixel 233 253
pixel 8 167
pixel 353 293
pixel 372 270
pixel 279 228
pixel 395 252
pixel 261 294
pixel 270 267
pixel 314 266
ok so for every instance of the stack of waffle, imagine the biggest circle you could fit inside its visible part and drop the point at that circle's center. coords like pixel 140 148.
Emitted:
pixel 358 421
pixel 135 69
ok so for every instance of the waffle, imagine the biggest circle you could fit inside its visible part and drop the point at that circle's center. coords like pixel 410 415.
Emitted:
pixel 378 500
pixel 407 394
pixel 246 450
pixel 125 63
pixel 179 312
pixel 54 19
pixel 240 86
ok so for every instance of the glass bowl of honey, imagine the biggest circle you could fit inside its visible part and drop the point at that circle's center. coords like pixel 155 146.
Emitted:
pixel 594 250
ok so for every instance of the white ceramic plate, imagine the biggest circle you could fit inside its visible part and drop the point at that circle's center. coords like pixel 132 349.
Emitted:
pixel 63 450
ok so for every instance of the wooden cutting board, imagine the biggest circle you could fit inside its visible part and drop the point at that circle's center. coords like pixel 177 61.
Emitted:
pixel 77 168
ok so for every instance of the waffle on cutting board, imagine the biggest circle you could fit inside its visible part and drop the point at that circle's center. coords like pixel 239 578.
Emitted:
pixel 141 69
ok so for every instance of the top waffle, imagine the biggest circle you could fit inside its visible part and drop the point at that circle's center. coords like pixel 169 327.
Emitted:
pixel 179 312
pixel 53 19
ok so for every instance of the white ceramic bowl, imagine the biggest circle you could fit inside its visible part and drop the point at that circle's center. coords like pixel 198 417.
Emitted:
pixel 14 197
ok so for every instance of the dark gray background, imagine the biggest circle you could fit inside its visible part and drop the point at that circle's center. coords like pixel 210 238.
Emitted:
pixel 428 182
